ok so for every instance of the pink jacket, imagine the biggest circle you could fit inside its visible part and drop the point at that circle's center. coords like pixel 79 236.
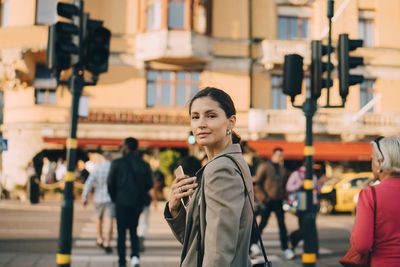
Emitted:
pixel 385 242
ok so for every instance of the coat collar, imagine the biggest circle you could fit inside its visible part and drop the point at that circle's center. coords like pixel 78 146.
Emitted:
pixel 231 149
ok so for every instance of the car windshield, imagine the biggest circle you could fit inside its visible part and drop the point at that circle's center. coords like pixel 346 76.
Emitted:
pixel 331 181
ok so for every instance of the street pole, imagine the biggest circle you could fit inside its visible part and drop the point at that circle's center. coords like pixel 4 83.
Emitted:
pixel 330 8
pixel 76 84
pixel 308 224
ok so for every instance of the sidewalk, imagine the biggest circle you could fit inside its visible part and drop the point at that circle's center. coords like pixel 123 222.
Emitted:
pixel 162 250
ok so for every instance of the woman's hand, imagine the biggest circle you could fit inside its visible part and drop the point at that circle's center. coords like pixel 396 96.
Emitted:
pixel 182 187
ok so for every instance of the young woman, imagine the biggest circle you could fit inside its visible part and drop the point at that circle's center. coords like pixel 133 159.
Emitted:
pixel 215 225
pixel 381 237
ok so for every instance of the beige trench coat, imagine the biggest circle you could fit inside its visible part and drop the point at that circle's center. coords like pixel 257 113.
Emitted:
pixel 225 215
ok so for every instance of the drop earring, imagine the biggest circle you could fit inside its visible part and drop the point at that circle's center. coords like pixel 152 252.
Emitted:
pixel 228 132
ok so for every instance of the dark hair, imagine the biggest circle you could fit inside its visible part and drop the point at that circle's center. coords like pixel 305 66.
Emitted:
pixel 131 143
pixel 190 165
pixel 277 149
pixel 223 100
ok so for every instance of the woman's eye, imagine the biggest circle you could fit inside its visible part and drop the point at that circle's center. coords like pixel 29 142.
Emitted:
pixel 212 116
pixel 195 117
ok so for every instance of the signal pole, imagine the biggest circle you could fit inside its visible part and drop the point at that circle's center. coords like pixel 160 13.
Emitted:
pixel 83 44
pixel 76 83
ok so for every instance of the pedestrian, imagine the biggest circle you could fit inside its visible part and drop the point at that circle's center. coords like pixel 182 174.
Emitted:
pixel 215 224
pixel 294 187
pixel 380 236
pixel 105 210
pixel 270 178
pixel 129 181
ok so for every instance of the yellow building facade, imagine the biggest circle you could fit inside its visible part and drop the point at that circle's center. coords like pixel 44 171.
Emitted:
pixel 164 51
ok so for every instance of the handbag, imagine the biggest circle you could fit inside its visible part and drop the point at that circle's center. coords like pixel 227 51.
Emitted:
pixel 353 258
pixel 266 262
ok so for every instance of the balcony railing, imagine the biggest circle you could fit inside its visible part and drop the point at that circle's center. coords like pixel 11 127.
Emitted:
pixel 331 123
pixel 172 45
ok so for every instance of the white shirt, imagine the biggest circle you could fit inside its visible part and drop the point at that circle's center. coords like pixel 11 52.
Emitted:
pixel 99 177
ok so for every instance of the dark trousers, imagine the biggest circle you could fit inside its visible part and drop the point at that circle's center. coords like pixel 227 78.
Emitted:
pixel 127 219
pixel 276 207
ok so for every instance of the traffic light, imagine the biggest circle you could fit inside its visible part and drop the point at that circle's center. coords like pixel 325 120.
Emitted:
pixel 97 47
pixel 63 40
pixel 320 80
pixel 292 75
pixel 346 62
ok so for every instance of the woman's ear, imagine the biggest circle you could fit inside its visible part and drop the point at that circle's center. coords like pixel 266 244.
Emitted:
pixel 232 122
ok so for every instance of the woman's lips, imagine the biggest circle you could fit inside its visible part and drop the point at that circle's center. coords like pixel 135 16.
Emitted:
pixel 202 135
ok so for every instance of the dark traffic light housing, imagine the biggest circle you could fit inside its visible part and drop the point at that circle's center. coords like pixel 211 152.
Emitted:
pixel 63 39
pixel 318 68
pixel 81 42
pixel 97 47
pixel 346 62
pixel 292 75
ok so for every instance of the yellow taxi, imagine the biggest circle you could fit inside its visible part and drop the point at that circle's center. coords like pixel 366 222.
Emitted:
pixel 337 194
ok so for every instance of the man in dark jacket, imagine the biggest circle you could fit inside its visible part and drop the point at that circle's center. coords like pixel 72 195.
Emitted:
pixel 271 178
pixel 128 183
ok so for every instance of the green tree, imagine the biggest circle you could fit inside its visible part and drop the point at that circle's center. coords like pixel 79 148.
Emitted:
pixel 168 162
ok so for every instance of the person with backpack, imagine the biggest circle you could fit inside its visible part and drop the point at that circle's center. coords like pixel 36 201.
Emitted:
pixel 129 181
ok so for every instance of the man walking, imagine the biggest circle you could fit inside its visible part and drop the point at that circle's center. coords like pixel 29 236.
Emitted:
pixel 104 207
pixel 129 181
pixel 270 179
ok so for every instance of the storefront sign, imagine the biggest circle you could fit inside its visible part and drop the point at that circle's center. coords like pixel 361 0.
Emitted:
pixel 135 118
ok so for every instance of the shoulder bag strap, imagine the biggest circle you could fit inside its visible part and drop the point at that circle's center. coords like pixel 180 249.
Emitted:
pixel 255 225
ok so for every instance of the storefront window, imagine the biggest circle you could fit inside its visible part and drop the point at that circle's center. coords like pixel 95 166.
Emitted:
pixel 170 88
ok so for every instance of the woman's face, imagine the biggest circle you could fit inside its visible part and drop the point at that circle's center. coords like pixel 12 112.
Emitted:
pixel 209 122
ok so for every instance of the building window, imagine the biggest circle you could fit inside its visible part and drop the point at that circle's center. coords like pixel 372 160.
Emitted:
pixel 366 27
pixel 45 86
pixel 46 12
pixel 176 14
pixel 5 13
pixel 170 88
pixel 292 28
pixel 278 98
pixel 153 15
pixel 200 17
pixel 367 93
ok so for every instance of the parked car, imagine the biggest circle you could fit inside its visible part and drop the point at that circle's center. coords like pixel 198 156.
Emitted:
pixel 337 194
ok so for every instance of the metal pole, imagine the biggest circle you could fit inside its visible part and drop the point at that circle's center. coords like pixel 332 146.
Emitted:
pixel 77 82
pixel 308 224
pixel 330 7
pixel 67 209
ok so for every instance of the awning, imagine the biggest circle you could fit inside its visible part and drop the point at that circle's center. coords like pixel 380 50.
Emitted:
pixel 330 151
pixel 117 142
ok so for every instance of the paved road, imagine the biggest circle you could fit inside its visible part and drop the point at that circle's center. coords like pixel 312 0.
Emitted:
pixel 29 234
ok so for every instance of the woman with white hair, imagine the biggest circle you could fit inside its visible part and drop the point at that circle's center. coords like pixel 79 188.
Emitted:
pixel 377 225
